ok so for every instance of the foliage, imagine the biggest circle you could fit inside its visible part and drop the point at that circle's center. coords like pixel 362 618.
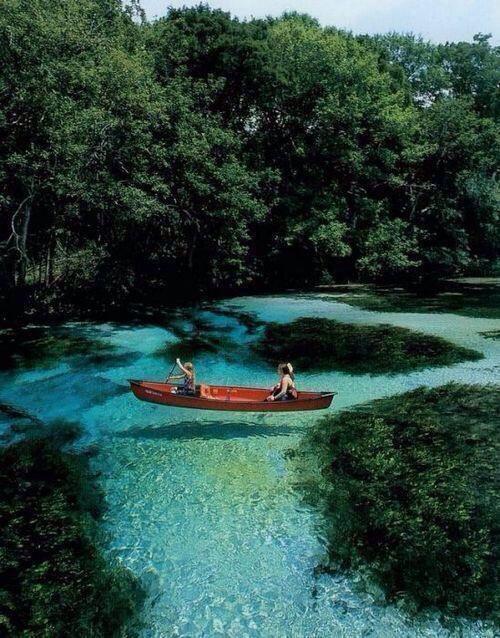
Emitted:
pixel 409 487
pixel 198 153
pixel 55 580
pixel 319 344
pixel 388 251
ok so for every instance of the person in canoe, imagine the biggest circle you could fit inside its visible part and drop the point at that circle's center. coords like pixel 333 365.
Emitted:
pixel 285 389
pixel 188 385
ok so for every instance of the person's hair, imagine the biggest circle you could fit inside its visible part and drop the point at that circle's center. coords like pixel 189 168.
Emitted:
pixel 189 366
pixel 285 369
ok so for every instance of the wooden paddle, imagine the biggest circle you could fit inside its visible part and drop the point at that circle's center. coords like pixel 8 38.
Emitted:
pixel 170 373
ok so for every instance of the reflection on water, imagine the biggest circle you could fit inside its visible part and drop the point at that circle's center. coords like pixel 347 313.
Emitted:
pixel 203 507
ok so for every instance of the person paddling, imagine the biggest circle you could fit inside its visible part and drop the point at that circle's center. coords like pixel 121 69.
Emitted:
pixel 188 385
pixel 285 389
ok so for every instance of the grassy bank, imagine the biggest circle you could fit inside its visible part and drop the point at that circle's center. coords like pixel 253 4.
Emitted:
pixel 408 485
pixel 55 580
pixel 322 344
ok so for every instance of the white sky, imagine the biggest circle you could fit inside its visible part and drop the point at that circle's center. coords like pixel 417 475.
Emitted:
pixel 436 20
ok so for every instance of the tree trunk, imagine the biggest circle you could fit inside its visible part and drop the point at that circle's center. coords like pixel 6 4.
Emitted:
pixel 23 238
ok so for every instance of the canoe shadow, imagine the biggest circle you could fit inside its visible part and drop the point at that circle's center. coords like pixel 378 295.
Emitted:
pixel 207 430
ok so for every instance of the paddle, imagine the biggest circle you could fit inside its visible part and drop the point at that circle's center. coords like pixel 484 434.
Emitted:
pixel 170 373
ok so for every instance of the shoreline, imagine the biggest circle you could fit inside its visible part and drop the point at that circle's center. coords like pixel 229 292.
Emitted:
pixel 140 310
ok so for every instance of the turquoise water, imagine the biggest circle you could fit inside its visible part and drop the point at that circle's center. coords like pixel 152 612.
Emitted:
pixel 202 506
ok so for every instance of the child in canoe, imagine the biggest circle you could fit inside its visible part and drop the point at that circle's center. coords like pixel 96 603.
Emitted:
pixel 188 385
pixel 285 389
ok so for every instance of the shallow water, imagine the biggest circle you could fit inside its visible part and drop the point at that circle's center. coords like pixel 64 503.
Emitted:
pixel 201 504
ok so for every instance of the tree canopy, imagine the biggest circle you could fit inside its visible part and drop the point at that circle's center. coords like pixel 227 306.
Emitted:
pixel 200 153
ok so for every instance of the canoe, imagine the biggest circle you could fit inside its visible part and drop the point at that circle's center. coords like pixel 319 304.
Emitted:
pixel 231 398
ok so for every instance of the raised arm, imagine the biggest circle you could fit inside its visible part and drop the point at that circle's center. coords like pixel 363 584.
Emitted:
pixel 178 362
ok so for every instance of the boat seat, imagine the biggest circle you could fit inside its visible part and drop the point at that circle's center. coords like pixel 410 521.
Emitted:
pixel 205 391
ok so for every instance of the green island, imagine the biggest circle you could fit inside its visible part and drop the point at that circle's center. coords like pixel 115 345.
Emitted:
pixel 55 579
pixel 409 491
pixel 322 344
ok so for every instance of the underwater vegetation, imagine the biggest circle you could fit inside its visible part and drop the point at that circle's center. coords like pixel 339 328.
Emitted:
pixel 43 346
pixel 54 579
pixel 249 320
pixel 468 300
pixel 200 335
pixel 491 334
pixel 316 343
pixel 409 485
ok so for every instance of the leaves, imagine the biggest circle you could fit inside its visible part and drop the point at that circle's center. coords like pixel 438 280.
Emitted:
pixel 199 154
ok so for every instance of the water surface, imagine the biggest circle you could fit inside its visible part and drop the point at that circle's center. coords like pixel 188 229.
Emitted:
pixel 202 505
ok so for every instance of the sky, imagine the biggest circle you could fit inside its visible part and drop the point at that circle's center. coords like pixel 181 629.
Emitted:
pixel 436 20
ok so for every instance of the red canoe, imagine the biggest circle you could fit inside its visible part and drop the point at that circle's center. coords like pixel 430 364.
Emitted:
pixel 222 397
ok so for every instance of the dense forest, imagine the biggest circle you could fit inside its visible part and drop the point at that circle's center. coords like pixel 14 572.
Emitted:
pixel 200 154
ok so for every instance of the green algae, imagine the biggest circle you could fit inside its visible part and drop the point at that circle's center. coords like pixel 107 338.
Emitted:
pixel 43 346
pixel 323 344
pixel 408 486
pixel 468 300
pixel 491 334
pixel 55 580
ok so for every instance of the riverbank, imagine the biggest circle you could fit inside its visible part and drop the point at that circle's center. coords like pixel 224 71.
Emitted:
pixel 478 296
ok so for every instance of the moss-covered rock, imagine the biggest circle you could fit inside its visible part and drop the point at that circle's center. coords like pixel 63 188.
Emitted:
pixel 409 489
pixel 54 579
pixel 321 344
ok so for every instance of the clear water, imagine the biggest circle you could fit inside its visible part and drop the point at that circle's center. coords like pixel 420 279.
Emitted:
pixel 201 504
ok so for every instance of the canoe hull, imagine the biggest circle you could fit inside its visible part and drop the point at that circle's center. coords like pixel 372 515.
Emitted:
pixel 228 398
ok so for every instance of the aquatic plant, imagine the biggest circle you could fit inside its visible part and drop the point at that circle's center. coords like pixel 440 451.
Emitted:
pixel 408 485
pixel 491 334
pixel 479 300
pixel 316 343
pixel 43 346
pixel 55 581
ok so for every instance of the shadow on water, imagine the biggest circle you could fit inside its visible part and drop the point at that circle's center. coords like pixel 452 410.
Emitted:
pixel 208 430
pixel 62 394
